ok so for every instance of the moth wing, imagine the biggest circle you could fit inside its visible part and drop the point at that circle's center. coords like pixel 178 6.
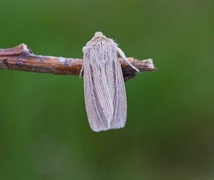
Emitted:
pixel 119 99
pixel 98 99
pixel 105 95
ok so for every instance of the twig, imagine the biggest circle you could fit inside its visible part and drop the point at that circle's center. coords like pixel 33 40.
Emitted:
pixel 21 58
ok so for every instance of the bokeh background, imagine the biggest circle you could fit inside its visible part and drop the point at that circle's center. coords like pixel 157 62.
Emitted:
pixel 44 132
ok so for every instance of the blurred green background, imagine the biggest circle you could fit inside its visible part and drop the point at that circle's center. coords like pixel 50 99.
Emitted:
pixel 44 132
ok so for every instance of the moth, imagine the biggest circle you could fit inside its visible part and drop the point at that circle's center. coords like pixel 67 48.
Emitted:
pixel 104 88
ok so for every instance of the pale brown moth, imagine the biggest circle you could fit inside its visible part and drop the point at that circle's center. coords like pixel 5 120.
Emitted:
pixel 104 89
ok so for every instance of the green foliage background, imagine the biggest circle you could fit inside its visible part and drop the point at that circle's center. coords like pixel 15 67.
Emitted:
pixel 44 133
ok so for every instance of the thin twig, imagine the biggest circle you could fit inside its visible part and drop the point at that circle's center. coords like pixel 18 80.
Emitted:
pixel 21 58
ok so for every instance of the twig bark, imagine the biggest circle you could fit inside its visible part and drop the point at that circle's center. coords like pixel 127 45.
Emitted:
pixel 21 58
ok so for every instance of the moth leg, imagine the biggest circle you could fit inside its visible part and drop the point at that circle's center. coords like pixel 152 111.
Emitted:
pixel 81 71
pixel 125 59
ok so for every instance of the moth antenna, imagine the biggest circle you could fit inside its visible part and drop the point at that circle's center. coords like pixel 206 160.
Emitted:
pixel 123 56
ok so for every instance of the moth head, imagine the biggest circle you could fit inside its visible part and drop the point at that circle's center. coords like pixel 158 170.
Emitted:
pixel 98 34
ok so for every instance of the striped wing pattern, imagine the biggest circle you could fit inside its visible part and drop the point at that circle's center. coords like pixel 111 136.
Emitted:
pixel 105 94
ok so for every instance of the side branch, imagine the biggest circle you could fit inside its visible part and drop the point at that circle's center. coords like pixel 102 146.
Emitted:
pixel 21 58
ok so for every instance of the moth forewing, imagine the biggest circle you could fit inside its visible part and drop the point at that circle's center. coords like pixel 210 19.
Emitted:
pixel 104 89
